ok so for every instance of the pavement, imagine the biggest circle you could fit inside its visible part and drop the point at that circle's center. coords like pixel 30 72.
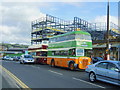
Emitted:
pixel 7 82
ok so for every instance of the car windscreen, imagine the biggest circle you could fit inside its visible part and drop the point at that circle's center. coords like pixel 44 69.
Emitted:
pixel 27 56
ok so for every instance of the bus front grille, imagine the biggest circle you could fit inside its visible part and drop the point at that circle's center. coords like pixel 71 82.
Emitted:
pixel 85 63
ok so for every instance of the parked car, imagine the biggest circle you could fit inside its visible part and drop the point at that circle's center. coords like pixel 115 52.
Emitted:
pixel 11 58
pixel 106 71
pixel 96 59
pixel 26 59
pixel 16 58
pixel 6 58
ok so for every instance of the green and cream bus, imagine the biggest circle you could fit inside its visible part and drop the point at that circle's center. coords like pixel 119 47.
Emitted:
pixel 70 50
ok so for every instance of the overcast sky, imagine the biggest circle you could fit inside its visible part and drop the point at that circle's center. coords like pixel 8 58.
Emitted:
pixel 16 17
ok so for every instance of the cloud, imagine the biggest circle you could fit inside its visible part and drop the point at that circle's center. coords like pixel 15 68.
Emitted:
pixel 76 4
pixel 21 14
pixel 113 19
pixel 12 35
pixel 16 23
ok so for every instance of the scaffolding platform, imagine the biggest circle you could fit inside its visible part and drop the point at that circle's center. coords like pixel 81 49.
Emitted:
pixel 49 26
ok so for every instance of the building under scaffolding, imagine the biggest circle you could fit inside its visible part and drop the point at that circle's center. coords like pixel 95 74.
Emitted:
pixel 48 26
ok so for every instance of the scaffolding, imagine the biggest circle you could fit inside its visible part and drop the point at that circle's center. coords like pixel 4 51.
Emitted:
pixel 49 26
pixel 99 30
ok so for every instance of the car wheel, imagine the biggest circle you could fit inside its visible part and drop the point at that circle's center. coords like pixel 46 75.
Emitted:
pixel 92 77
pixel 20 62
pixel 71 66
pixel 23 62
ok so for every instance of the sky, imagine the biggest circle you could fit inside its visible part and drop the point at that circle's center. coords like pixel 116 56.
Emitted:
pixel 16 15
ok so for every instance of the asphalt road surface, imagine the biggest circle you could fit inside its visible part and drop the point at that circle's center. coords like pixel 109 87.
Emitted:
pixel 44 76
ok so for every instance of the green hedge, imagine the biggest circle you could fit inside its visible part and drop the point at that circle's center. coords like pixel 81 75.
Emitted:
pixel 12 55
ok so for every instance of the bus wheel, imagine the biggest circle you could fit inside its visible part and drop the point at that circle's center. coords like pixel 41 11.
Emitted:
pixel 71 66
pixel 52 63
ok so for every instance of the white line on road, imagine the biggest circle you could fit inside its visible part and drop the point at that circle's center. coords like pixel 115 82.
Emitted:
pixel 35 67
pixel 88 82
pixel 55 72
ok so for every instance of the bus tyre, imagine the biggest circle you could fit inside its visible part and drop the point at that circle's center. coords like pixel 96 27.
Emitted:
pixel 71 66
pixel 52 63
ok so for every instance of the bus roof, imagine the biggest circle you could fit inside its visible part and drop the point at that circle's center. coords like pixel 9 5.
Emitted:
pixel 74 32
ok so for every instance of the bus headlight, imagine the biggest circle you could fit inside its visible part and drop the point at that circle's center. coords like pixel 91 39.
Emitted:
pixel 80 62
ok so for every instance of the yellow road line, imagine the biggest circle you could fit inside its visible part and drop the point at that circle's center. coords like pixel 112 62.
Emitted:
pixel 15 78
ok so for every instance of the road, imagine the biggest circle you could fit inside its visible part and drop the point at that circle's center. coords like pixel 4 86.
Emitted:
pixel 44 76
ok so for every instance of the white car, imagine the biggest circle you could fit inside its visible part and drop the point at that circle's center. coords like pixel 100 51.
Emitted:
pixel 6 58
pixel 11 58
pixel 26 59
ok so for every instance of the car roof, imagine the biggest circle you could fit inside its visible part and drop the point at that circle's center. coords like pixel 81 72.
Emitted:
pixel 110 61
pixel 115 62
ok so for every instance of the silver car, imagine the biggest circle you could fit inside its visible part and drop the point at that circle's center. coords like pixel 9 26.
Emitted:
pixel 26 59
pixel 106 71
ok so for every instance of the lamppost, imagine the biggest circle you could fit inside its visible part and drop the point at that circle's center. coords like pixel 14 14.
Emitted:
pixel 107 44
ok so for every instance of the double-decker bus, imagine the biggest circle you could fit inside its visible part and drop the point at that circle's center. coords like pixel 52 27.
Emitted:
pixel 39 53
pixel 71 50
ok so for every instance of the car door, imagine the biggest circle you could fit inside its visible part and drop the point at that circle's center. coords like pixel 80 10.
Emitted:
pixel 112 74
pixel 101 70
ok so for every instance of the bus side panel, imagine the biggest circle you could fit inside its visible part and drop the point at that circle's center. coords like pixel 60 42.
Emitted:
pixel 59 62
pixel 64 62
pixel 49 60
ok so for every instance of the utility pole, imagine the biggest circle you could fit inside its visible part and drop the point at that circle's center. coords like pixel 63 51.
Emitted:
pixel 107 44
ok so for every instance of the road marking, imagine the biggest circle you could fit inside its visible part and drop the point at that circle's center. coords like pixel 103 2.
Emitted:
pixel 88 82
pixel 55 72
pixel 35 67
pixel 15 78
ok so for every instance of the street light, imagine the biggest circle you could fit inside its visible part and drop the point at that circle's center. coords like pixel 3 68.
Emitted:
pixel 107 44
